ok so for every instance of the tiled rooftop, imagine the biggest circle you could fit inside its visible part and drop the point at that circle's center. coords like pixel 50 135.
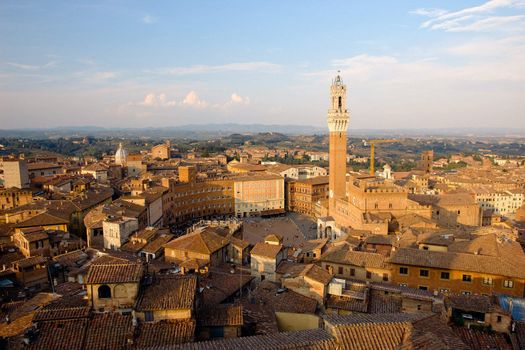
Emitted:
pixel 168 293
pixel 114 273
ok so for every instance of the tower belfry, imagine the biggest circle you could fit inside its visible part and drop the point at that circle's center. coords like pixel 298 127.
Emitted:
pixel 338 117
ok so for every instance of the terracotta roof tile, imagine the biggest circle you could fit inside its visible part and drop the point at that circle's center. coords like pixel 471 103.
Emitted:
pixel 343 255
pixel 288 301
pixel 458 261
pixel 482 340
pixel 65 308
pixel 266 250
pixel 171 293
pixel 108 331
pixel 114 273
pixel 313 339
pixel 60 335
pixel 203 242
pixel 220 285
pixel 23 263
pixel 164 334
pixel 221 315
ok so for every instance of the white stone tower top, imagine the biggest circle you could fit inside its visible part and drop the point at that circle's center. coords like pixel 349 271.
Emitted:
pixel 338 113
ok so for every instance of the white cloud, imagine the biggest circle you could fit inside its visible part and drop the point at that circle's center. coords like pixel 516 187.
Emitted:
pixel 30 66
pixel 488 23
pixel 235 100
pixel 104 75
pixel 230 67
pixel 190 100
pixel 148 19
pixel 193 100
pixel 150 100
pixel 474 19
pixel 431 12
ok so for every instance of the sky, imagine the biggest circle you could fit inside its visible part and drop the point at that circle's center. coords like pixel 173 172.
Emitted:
pixel 407 64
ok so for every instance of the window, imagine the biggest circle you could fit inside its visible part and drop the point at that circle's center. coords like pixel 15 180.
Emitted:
pixel 445 275
pixel 423 287
pixel 352 272
pixel 403 270
pixel 368 274
pixel 459 212
pixel 508 283
pixel 487 281
pixel 385 277
pixel 340 270
pixel 419 307
pixel 389 205
pixel 148 316
pixel 104 292
pixel 376 206
pixel 499 319
pixel 467 278
pixel 423 273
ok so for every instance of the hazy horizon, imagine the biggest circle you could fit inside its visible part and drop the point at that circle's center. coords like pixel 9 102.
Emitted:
pixel 142 64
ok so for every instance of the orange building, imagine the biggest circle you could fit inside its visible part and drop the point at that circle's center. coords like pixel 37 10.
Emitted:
pixel 190 198
pixel 302 195
pixel 460 272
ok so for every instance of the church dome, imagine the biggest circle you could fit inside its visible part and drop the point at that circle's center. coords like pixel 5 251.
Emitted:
pixel 121 155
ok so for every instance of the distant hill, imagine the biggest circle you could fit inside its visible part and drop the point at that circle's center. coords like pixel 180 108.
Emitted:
pixel 207 131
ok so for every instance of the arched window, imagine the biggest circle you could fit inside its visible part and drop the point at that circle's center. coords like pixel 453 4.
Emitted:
pixel 340 104
pixel 104 292
pixel 120 291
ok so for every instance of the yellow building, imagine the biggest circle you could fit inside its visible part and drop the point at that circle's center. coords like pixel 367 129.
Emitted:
pixel 161 151
pixel 357 265
pixel 49 220
pixel 203 246
pixel 113 285
pixel 14 197
pixel 32 242
pixel 454 272
pixel 258 195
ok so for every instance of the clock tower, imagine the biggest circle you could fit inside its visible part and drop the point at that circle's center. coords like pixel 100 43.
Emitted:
pixel 337 125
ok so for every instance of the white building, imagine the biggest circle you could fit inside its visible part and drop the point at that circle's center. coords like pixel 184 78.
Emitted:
pixel 99 171
pixel 15 174
pixel 117 230
pixel 256 195
pixel 297 172
pixel 502 202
